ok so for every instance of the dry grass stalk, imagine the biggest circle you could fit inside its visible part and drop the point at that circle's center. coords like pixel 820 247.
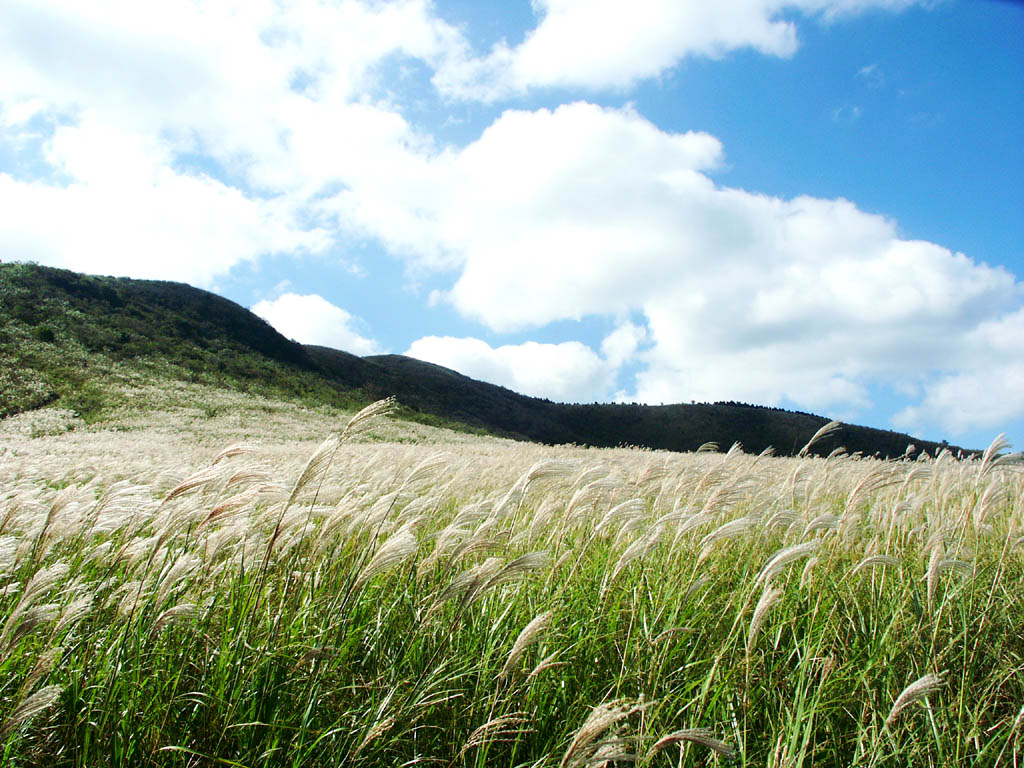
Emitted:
pixel 778 562
pixel 916 691
pixel 29 708
pixel 500 729
pixel 182 612
pixel 701 736
pixel 365 417
pixel 396 550
pixel 585 744
pixel 769 597
pixel 873 561
pixel 529 634
pixel 821 434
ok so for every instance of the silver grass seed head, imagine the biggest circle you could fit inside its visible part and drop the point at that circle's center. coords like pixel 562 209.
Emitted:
pixel 784 557
pixel 821 434
pixel 823 522
pixel 548 662
pixel 769 597
pixel 873 561
pixel 504 728
pixel 529 634
pixel 43 666
pixel 236 449
pixel 43 581
pixel 367 415
pixel 397 549
pixel 602 717
pixel 316 465
pixel 181 613
pixel 73 613
pixel 808 572
pixel 516 569
pixel 631 553
pixel 22 623
pixel 8 554
pixel 29 708
pixel 728 530
pixel 700 736
pixel 916 691
pixel 203 478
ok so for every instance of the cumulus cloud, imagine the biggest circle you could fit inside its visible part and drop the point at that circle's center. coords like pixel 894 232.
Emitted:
pixel 181 140
pixel 608 44
pixel 987 391
pixel 569 371
pixel 620 346
pixel 125 211
pixel 588 211
pixel 311 319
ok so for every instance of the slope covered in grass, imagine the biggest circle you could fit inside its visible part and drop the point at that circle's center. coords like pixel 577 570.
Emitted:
pixel 491 603
pixel 83 343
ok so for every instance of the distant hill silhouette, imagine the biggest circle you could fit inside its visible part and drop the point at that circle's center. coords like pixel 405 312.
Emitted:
pixel 60 332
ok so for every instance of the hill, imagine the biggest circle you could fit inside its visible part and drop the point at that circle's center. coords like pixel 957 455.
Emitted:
pixel 71 338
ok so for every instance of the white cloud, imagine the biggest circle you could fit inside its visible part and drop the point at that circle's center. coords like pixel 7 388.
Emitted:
pixel 609 44
pixel 972 400
pixel 276 105
pixel 311 319
pixel 620 346
pixel 569 371
pixel 584 211
pixel 272 102
pixel 987 391
pixel 126 211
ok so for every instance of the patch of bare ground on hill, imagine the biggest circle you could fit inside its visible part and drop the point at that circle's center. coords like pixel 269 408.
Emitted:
pixel 208 580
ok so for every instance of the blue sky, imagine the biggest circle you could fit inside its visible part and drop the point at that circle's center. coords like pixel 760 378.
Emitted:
pixel 816 204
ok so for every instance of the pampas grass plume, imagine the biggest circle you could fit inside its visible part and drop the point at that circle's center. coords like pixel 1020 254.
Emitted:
pixel 916 691
pixel 769 597
pixel 530 634
pixel 38 702
pixel 701 736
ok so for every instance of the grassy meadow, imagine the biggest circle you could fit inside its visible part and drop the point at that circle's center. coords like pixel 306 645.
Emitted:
pixel 176 592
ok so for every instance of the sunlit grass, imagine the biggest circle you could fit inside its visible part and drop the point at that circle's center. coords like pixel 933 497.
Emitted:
pixel 481 602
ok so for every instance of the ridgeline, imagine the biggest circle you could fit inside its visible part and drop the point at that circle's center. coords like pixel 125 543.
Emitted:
pixel 63 333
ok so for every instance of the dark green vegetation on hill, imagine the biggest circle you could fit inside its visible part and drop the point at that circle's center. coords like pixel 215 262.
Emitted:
pixel 65 336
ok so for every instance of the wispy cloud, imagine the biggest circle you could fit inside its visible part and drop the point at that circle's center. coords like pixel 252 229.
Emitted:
pixel 847 113
pixel 871 75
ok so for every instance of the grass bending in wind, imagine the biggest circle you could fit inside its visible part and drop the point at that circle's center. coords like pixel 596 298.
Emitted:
pixel 500 604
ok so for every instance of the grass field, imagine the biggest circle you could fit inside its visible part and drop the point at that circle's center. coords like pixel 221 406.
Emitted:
pixel 396 597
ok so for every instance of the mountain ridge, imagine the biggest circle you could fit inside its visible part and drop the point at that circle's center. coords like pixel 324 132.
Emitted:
pixel 61 330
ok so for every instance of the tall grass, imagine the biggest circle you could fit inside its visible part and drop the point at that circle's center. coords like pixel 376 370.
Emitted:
pixel 505 604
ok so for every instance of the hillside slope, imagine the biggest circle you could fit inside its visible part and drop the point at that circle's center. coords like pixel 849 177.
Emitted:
pixel 67 337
